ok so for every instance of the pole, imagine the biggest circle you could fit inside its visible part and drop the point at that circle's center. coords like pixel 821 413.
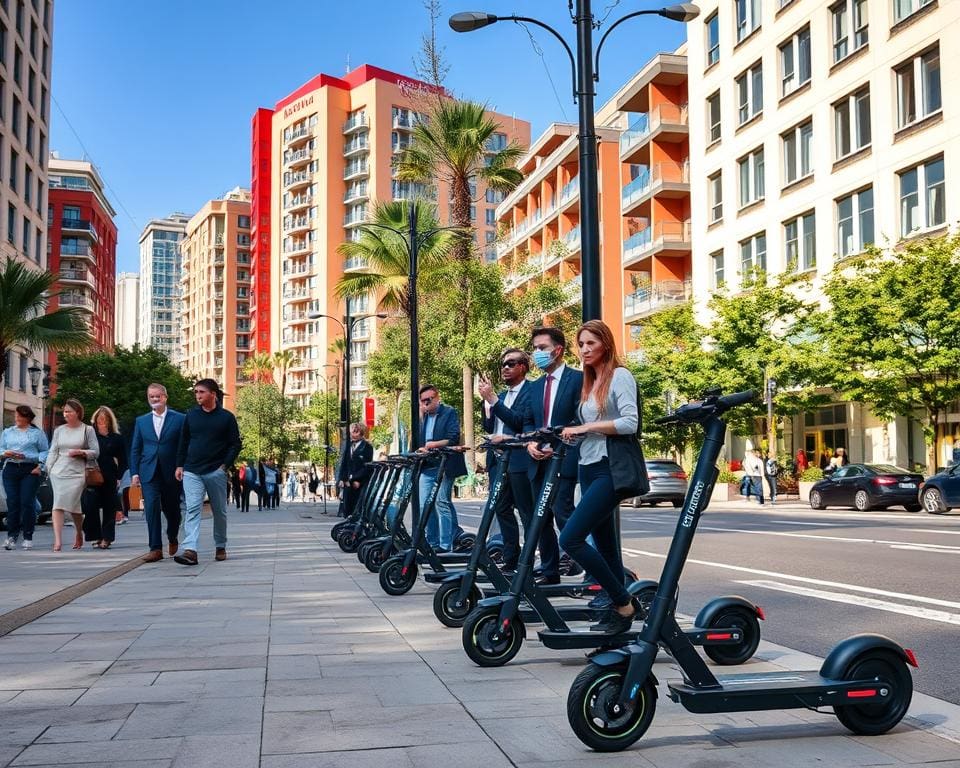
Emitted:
pixel 345 400
pixel 771 426
pixel 589 189
pixel 414 248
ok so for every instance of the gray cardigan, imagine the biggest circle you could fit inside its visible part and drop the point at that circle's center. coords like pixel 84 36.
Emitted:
pixel 621 408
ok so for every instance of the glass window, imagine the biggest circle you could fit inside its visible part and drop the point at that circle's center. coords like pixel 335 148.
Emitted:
pixel 11 223
pixel 712 26
pixel 490 217
pixel 903 8
pixel 14 175
pixel 715 196
pixel 797 153
pixel 15 117
pixel 800 244
pixel 243 222
pixel 753 255
pixel 851 122
pixel 795 62
pixel 716 261
pixel 918 88
pixel 849 27
pixel 855 222
pixel 751 177
pixel 748 17
pixel 922 197
pixel 750 93
pixel 713 118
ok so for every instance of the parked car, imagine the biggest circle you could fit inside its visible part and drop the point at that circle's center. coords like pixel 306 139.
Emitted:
pixel 44 496
pixel 941 492
pixel 868 486
pixel 668 482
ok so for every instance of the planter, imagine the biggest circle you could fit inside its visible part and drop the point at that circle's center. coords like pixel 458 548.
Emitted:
pixel 726 492
pixel 805 487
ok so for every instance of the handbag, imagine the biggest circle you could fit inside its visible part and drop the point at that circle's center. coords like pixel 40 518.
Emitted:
pixel 92 473
pixel 627 466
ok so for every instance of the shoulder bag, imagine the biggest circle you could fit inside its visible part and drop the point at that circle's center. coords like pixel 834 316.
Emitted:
pixel 94 477
pixel 627 466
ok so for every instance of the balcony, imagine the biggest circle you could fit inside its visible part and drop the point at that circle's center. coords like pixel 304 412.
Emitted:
pixel 400 144
pixel 75 276
pixel 291 270
pixel 297 157
pixel 296 179
pixel 664 235
pixel 298 201
pixel 76 300
pixel 406 122
pixel 298 248
pixel 295 294
pixel 77 252
pixel 527 224
pixel 359 143
pixel 667 178
pixel 668 120
pixel 296 223
pixel 572 240
pixel 647 301
pixel 573 289
pixel 406 190
pixel 296 339
pixel 361 330
pixel 355 193
pixel 356 170
pixel 355 218
pixel 296 134
pixel 355 264
pixel 81 226
pixel 570 190
pixel 356 123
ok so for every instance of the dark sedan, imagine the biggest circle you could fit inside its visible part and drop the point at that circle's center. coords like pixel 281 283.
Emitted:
pixel 941 492
pixel 868 486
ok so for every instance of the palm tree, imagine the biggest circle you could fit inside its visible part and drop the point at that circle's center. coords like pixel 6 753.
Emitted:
pixel 259 368
pixel 25 322
pixel 454 146
pixel 282 362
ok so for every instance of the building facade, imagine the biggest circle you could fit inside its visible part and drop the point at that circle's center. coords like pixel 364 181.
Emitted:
pixel 25 54
pixel 325 152
pixel 160 284
pixel 819 128
pixel 215 292
pixel 126 322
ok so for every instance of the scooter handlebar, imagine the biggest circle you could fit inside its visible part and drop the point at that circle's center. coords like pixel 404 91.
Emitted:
pixel 713 404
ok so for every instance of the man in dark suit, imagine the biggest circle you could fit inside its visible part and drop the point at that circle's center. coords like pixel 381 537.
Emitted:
pixel 499 412
pixel 153 462
pixel 354 469
pixel 439 427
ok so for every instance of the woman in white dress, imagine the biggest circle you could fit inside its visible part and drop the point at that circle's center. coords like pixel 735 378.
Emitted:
pixel 74 446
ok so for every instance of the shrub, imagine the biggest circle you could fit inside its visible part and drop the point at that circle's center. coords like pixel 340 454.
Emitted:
pixel 726 476
pixel 811 474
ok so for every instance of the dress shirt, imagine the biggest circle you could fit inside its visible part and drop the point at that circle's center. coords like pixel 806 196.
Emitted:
pixel 158 422
pixel 508 400
pixel 31 442
pixel 428 425
pixel 553 390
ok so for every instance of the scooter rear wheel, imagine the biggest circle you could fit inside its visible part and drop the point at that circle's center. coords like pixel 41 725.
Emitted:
pixel 445 604
pixel 373 559
pixel 362 550
pixel 393 580
pixel 335 531
pixel 464 542
pixel 874 719
pixel 348 541
pixel 749 626
pixel 486 642
pixel 597 718
pixel 495 552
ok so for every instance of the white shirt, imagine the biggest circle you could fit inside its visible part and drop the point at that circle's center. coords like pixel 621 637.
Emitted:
pixel 508 400
pixel 553 390
pixel 158 421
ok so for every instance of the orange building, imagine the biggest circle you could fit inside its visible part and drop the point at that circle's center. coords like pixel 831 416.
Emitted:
pixel 215 292
pixel 326 156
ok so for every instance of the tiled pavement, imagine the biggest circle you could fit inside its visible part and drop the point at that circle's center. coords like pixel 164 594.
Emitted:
pixel 288 655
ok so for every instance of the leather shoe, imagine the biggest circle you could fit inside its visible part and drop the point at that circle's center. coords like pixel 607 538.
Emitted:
pixel 187 557
pixel 172 548
pixel 547 580
pixel 221 554
pixel 153 556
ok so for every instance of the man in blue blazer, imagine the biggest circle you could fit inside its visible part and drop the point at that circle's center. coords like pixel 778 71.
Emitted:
pixel 440 426
pixel 499 413
pixel 153 462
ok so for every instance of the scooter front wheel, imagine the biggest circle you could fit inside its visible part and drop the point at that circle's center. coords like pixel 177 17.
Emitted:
pixel 373 559
pixel 596 715
pixel 749 626
pixel 486 642
pixel 348 541
pixel 335 531
pixel 393 580
pixel 874 719
pixel 446 608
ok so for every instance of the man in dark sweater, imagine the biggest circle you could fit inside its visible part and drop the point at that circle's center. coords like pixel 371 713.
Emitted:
pixel 209 443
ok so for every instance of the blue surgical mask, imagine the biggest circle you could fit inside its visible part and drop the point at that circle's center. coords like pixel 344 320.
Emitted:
pixel 542 357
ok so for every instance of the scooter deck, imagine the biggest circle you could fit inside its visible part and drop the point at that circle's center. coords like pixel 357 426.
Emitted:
pixel 584 639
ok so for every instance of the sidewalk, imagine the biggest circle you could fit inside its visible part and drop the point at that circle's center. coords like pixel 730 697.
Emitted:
pixel 288 655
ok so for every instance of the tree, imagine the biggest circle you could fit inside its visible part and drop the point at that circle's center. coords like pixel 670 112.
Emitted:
pixel 259 368
pixel 269 423
pixel 893 331
pixel 283 361
pixel 431 65
pixel 119 380
pixel 25 322
pixel 322 414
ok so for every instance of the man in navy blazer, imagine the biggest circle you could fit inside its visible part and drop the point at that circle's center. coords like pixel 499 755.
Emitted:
pixel 153 462
pixel 499 413
pixel 354 468
pixel 440 426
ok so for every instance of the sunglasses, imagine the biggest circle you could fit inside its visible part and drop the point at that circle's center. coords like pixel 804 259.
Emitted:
pixel 511 363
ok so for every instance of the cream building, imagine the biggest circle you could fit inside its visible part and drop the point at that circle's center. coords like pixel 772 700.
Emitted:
pixel 127 309
pixel 816 129
pixel 159 324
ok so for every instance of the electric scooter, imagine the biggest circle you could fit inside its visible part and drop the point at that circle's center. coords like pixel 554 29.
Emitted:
pixel 728 627
pixel 611 703
pixel 360 509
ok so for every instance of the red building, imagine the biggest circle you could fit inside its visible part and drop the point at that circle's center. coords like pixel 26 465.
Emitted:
pixel 260 232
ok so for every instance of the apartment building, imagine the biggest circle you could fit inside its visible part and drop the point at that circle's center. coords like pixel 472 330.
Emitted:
pixel 25 54
pixel 215 292
pixel 160 284
pixel 126 309
pixel 321 158
pixel 820 128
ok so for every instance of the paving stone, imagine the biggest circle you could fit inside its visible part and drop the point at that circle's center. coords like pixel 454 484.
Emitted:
pixel 207 751
pixel 194 718
pixel 164 664
pixel 47 697
pixel 100 753
pixel 211 675
pixel 100 731
pixel 477 754
pixel 293 667
pixel 394 758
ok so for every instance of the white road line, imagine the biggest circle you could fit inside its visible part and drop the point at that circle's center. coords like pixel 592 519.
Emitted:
pixel 818 537
pixel 807 580
pixel 930 530
pixel 802 522
pixel 937 548
pixel 865 602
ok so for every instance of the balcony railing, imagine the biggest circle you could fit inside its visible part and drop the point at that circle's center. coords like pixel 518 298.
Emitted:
pixel 74 274
pixel 356 262
pixel 77 251
pixel 296 222
pixel 572 239
pixel 400 144
pixel 76 300
pixel 409 121
pixel 666 293
pixel 661 232
pixel 355 122
pixel 355 192
pixel 573 288
pixel 295 293
pixel 289 178
pixel 80 225
pixel 300 155
pixel 352 219
pixel 296 133
pixel 297 247
pixel 355 169
pixel 645 123
pixel 659 173
pixel 358 144
pixel 527 224
pixel 299 201
pixel 570 190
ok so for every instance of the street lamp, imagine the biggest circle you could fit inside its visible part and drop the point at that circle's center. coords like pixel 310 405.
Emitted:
pixel 585 74
pixel 771 425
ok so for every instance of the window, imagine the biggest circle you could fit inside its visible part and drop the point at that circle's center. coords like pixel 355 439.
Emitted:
pixel 715 196
pixel 26 237
pixel 71 212
pixel 748 17
pixel 29 144
pixel 751 177
pixel 11 223
pixel 800 242
pixel 15 117
pixel 17 65
pixel 14 162
pixel 32 86
pixel 904 8
pixel 918 88
pixel 849 27
pixel 797 152
pixel 855 222
pixel 3 42
pixel 851 123
pixel 27 185
pixel 39 195
pixel 750 93
pixel 753 255
pixel 243 222
pixel 922 203
pixel 493 197
pixel 795 62
pixel 713 118
pixel 712 27
pixel 716 262
pixel 490 217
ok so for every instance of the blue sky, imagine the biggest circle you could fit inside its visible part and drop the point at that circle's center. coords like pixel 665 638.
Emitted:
pixel 143 83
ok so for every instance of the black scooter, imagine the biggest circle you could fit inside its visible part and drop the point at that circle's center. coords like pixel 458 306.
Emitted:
pixel 865 679
pixel 728 627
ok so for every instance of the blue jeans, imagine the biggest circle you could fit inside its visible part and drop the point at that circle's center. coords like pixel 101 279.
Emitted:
pixel 442 525
pixel 772 485
pixel 215 485
pixel 21 489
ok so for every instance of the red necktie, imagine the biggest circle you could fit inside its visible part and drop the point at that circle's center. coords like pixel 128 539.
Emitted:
pixel 546 401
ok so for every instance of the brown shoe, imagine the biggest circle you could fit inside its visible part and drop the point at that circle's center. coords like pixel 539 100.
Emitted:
pixel 221 553
pixel 153 556
pixel 187 557
pixel 172 548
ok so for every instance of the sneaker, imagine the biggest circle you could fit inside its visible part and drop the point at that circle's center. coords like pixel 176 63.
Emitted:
pixel 27 544
pixel 600 602
pixel 613 623
pixel 10 543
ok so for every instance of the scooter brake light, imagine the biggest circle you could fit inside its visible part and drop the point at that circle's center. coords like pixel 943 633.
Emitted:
pixel 594 588
pixel 760 614
pixel 403 571
pixel 505 625
pixel 911 658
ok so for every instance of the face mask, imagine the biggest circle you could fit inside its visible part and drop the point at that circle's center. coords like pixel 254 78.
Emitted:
pixel 156 406
pixel 542 357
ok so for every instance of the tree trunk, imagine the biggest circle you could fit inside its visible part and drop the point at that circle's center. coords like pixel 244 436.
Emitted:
pixel 930 438
pixel 469 438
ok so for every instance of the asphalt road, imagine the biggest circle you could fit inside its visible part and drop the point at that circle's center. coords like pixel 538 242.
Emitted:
pixel 820 576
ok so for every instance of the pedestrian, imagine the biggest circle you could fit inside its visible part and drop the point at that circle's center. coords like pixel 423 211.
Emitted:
pixel 801 463
pixel 271 480
pixel 439 427
pixel 825 459
pixel 275 496
pixel 313 484
pixel 303 480
pixel 74 445
pixel 608 406
pixel 248 485
pixel 515 495
pixel 153 469
pixel 753 471
pixel 840 459
pixel 235 485
pixel 23 448
pixel 209 443
pixel 291 485
pixel 354 469
pixel 770 470
pixel 100 503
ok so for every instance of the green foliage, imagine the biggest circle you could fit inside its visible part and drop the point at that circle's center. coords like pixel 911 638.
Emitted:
pixel 270 424
pixel 726 476
pixel 120 381
pixel 811 475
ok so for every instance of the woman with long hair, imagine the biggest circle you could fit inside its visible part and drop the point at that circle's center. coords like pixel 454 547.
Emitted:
pixel 608 406
pixel 100 504
pixel 74 444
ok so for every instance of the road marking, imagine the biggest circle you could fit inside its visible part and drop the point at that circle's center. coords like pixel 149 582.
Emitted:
pixel 802 522
pixel 807 580
pixel 930 530
pixel 859 600
pixel 937 548
pixel 818 537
